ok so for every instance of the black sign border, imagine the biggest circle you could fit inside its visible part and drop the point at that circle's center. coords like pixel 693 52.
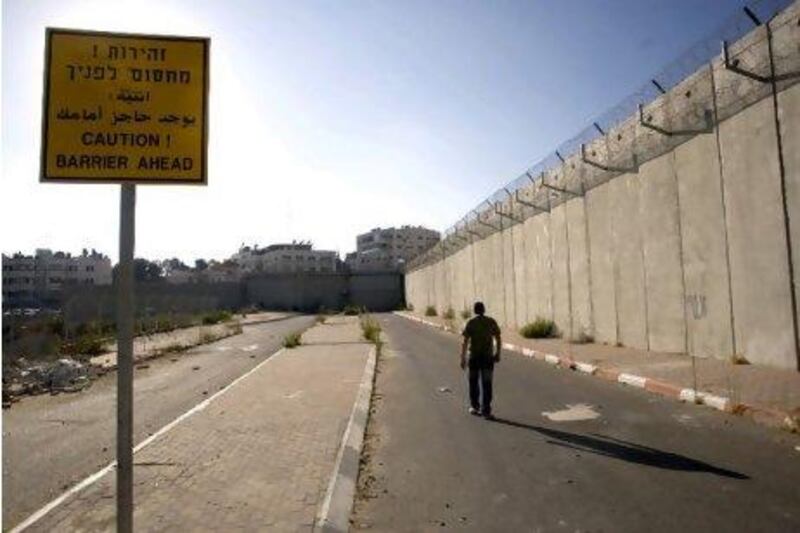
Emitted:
pixel 138 180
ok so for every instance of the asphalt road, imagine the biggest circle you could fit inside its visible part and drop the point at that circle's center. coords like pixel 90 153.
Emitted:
pixel 645 463
pixel 52 442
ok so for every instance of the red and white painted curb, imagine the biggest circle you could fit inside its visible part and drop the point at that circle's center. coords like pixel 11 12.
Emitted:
pixel 768 416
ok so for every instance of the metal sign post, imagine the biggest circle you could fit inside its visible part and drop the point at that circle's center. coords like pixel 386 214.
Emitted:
pixel 125 320
pixel 128 109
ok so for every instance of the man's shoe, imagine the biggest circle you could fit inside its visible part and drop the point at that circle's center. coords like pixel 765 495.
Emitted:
pixel 474 411
pixel 489 416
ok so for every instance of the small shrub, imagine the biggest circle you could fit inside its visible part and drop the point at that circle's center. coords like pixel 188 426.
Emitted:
pixel 409 307
pixel 292 340
pixel 371 329
pixel 88 344
pixel 56 325
pixel 466 314
pixel 430 311
pixel 449 314
pixel 541 328
pixel 215 317
pixel 175 347
pixel 351 310
pixel 207 337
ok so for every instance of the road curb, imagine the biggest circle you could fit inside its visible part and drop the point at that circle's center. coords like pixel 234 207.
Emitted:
pixel 267 320
pixel 334 513
pixel 763 415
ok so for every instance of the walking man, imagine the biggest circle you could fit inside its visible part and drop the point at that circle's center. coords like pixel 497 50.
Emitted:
pixel 478 334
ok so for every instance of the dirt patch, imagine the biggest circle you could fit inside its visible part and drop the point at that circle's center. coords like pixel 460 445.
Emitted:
pixel 371 483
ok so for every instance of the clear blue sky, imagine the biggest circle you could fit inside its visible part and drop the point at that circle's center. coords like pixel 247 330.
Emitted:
pixel 330 118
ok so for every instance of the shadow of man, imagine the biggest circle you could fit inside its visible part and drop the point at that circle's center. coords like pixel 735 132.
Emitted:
pixel 624 450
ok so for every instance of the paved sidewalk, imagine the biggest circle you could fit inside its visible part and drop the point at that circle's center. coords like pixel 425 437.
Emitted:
pixel 771 396
pixel 258 457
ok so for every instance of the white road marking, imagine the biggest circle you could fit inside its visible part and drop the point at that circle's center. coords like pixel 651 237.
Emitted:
pixel 39 514
pixel 223 348
pixel 572 413
pixel 251 348
pixel 294 395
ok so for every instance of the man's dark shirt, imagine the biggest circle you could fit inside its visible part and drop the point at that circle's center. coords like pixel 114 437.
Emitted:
pixel 480 331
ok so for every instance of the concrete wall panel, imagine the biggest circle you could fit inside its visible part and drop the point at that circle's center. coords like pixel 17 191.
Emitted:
pixel 491 289
pixel 704 242
pixel 661 236
pixel 629 267
pixel 580 282
pixel 561 283
pixel 509 276
pixel 763 321
pixel 520 273
pixel 540 267
pixel 599 214
pixel 789 116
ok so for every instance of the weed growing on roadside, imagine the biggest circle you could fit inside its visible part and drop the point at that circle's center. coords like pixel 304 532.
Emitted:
pixel 215 317
pixel 449 314
pixel 371 329
pixel 352 310
pixel 541 328
pixel 430 311
pixel 292 340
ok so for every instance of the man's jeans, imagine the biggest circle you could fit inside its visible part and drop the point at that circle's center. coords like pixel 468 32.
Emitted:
pixel 480 370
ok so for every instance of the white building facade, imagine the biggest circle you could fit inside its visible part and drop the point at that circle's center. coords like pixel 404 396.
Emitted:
pixel 285 258
pixel 388 249
pixel 29 279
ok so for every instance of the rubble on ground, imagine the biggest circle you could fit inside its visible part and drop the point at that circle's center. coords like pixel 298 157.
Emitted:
pixel 23 377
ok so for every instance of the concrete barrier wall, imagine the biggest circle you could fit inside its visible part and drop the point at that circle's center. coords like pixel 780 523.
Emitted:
pixel 693 248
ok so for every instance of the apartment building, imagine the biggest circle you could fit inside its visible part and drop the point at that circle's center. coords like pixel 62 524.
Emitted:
pixel 32 281
pixel 285 258
pixel 388 249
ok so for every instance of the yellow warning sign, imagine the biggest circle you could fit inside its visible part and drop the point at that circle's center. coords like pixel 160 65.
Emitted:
pixel 124 108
